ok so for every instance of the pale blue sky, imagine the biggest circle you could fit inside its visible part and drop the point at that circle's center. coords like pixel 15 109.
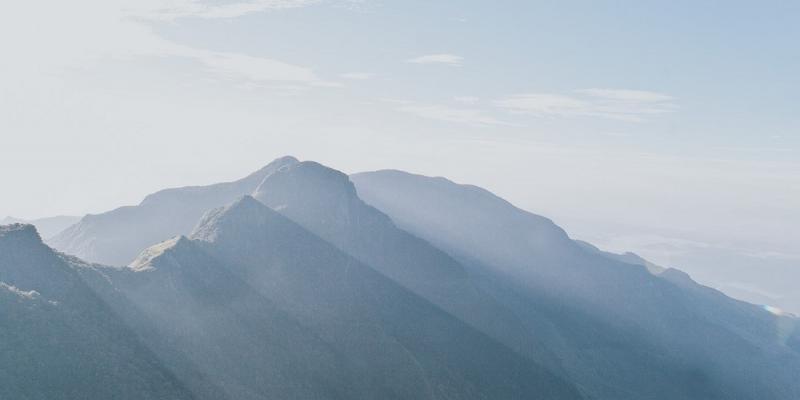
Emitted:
pixel 621 120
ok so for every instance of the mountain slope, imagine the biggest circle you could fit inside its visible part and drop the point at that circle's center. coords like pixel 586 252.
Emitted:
pixel 628 257
pixel 398 344
pixel 117 236
pixel 59 340
pixel 252 307
pixel 411 261
pixel 223 338
pixel 621 331
pixel 324 201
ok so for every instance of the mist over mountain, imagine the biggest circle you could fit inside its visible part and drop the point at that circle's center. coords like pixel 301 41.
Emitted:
pixel 299 281
pixel 670 328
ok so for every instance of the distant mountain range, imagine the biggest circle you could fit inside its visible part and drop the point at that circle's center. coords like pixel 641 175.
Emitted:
pixel 299 281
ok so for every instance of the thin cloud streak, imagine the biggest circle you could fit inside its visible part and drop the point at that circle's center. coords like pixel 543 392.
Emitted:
pixel 127 34
pixel 444 59
pixel 468 116
pixel 615 104
pixel 358 76
pixel 175 9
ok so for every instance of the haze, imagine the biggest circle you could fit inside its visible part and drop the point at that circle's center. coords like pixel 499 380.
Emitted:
pixel 666 129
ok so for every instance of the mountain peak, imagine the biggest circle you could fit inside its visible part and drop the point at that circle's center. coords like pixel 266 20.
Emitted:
pixel 247 184
pixel 245 202
pixel 308 187
pixel 245 206
pixel 19 234
pixel 274 165
pixel 145 260
pixel 242 215
pixel 306 176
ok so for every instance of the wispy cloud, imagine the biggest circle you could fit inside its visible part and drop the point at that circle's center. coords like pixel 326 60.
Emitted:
pixel 255 69
pixel 174 9
pixel 128 33
pixel 445 59
pixel 251 70
pixel 467 99
pixel 462 115
pixel 616 104
pixel 358 76
pixel 626 95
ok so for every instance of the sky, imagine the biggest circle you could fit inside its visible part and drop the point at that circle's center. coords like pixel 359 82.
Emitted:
pixel 666 128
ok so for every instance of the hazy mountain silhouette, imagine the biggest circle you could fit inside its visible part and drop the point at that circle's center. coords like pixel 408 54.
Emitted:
pixel 47 227
pixel 59 339
pixel 620 330
pixel 457 291
pixel 396 344
pixel 116 237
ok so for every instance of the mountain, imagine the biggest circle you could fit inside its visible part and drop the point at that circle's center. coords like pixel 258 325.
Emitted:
pixel 59 339
pixel 622 331
pixel 340 267
pixel 266 309
pixel 117 236
pixel 325 202
pixel 47 227
pixel 251 306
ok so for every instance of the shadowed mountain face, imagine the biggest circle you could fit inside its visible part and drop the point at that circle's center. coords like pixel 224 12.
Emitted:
pixel 621 331
pixel 116 237
pixel 59 339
